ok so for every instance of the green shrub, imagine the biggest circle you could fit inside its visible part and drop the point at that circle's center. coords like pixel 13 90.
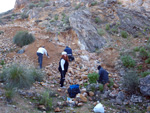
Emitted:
pixel 23 38
pixel 93 77
pixel 124 34
pixel 15 76
pixel 46 100
pixel 24 16
pixel 111 82
pixel 97 20
pixel 143 53
pixel 107 27
pixel 20 76
pixel 147 61
pixel 101 32
pixel 9 93
pixel 144 74
pixel 85 84
pixel 128 61
pixel 78 6
pixel 56 17
pixel 94 3
pixel 31 5
pixel 140 67
pixel 37 74
pixel 2 62
pixel 130 81
pixel 114 30
pixel 101 87
pixel 136 49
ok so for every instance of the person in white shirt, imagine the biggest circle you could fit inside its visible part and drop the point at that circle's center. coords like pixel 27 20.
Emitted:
pixel 40 52
pixel 63 67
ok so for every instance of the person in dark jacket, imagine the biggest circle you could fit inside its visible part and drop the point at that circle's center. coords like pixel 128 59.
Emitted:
pixel 103 75
pixel 63 67
pixel 69 53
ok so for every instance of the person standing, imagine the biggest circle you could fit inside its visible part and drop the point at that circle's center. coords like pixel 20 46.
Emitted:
pixel 103 75
pixel 40 52
pixel 69 53
pixel 63 67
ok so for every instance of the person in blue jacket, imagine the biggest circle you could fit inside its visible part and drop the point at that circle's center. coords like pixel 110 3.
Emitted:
pixel 103 75
pixel 69 53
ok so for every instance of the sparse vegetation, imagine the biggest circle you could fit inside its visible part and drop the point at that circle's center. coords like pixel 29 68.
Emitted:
pixel 46 100
pixel 9 93
pixel 128 61
pixel 136 49
pixel 85 84
pixel 124 34
pixel 143 53
pixel 147 61
pixel 56 17
pixel 94 3
pixel 78 6
pixel 23 38
pixel 101 87
pixel 144 74
pixel 24 16
pixel 111 82
pixel 101 32
pixel 130 81
pixel 114 30
pixel 31 5
pixel 2 62
pixel 97 20
pixel 107 27
pixel 19 76
pixel 93 77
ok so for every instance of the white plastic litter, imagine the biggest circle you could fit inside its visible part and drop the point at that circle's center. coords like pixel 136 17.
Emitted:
pixel 99 108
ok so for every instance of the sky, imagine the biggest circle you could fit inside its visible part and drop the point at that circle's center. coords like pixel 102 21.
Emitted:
pixel 6 5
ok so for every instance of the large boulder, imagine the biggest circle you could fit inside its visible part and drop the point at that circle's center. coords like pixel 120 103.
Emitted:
pixel 80 21
pixel 144 85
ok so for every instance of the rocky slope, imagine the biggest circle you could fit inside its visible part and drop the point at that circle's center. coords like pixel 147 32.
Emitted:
pixel 93 29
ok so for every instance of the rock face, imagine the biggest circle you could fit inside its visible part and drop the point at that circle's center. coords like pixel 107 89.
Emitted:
pixel 133 21
pixel 20 3
pixel 144 85
pixel 80 21
pixel 136 4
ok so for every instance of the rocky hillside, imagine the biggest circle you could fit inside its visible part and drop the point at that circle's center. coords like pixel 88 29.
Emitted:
pixel 111 33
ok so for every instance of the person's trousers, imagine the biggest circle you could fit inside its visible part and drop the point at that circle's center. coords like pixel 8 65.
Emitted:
pixel 71 57
pixel 40 59
pixel 62 79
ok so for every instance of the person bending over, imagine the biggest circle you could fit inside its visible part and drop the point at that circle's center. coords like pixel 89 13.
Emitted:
pixel 40 52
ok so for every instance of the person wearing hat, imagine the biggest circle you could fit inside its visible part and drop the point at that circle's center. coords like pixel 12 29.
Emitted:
pixel 40 52
pixel 69 53
pixel 63 67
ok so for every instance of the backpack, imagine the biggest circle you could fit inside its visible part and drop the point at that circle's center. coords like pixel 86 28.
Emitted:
pixel 73 90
